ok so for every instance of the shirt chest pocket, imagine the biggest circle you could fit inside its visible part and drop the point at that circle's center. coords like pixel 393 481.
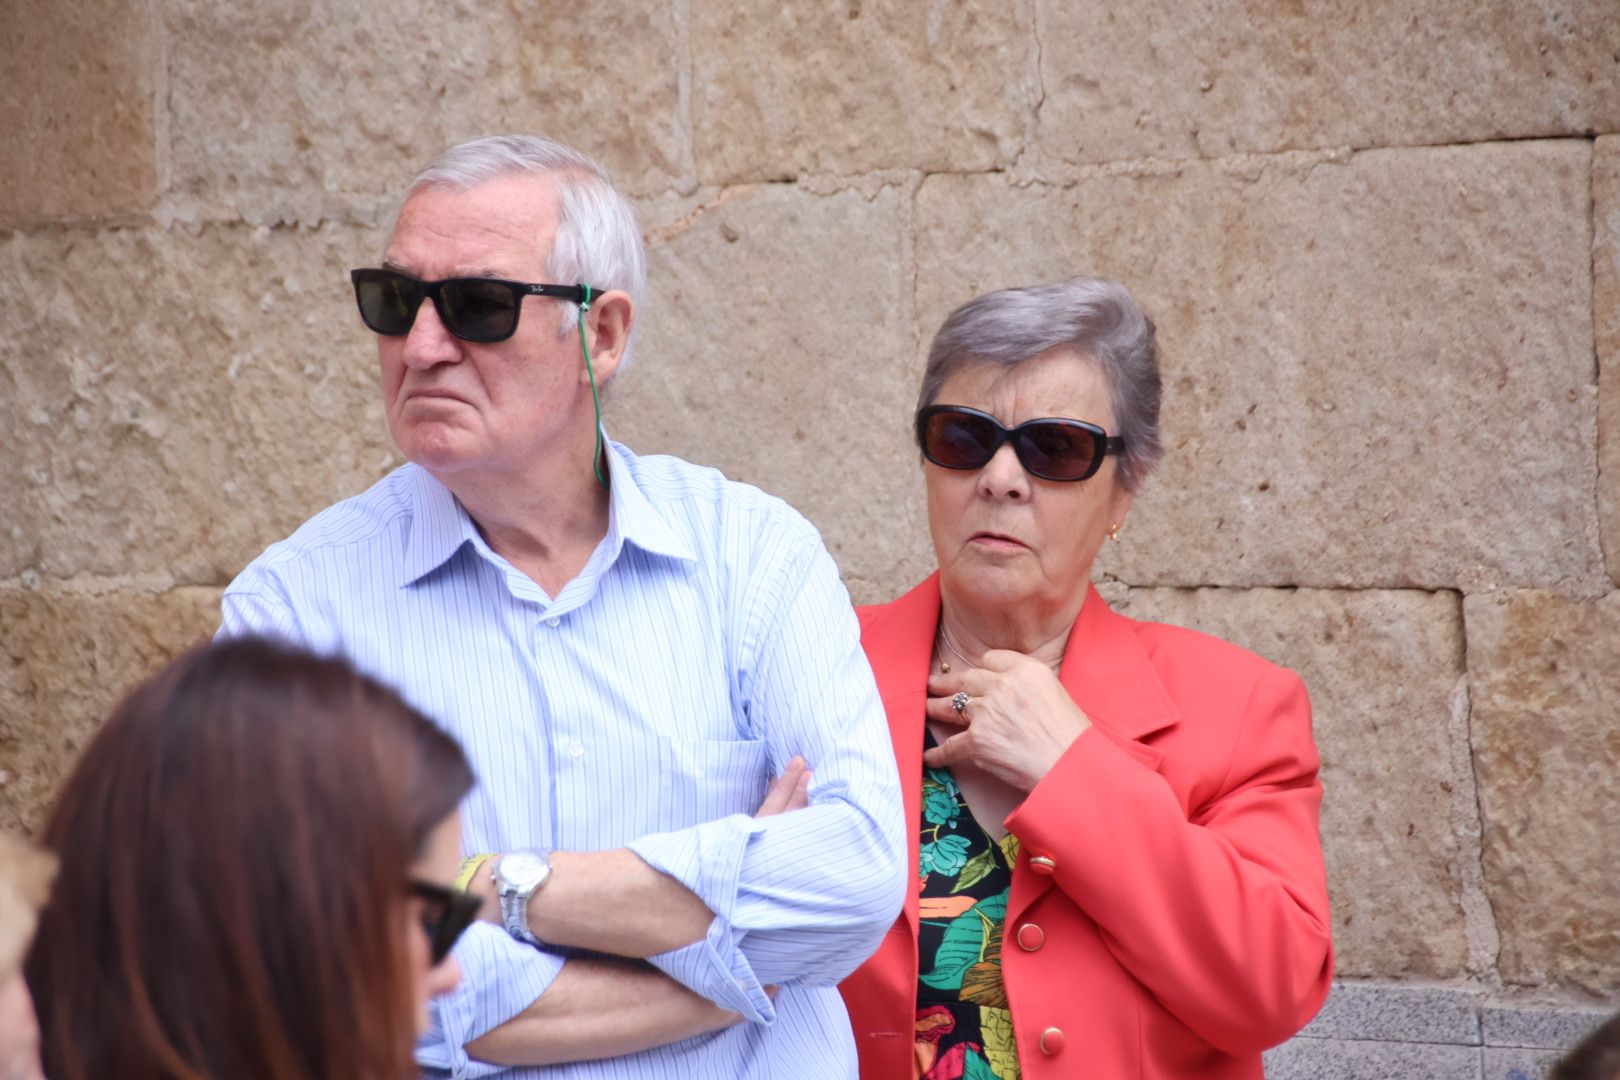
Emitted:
pixel 705 779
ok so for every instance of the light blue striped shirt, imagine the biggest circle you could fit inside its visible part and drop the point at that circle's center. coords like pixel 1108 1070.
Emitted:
pixel 707 640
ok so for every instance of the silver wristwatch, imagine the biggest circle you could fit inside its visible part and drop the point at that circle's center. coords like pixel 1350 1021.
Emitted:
pixel 518 876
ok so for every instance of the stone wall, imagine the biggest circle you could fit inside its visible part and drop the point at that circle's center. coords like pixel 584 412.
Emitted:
pixel 1381 242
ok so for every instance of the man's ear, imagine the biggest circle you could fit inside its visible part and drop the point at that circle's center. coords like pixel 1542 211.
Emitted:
pixel 607 329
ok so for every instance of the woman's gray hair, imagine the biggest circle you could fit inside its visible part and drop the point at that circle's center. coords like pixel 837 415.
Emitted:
pixel 1097 319
pixel 598 242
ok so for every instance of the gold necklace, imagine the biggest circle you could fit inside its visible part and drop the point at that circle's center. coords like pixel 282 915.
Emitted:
pixel 945 645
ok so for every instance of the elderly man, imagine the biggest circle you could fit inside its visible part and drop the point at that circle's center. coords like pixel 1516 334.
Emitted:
pixel 629 648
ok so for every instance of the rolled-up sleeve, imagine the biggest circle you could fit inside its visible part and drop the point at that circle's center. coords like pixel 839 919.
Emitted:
pixel 801 897
pixel 500 977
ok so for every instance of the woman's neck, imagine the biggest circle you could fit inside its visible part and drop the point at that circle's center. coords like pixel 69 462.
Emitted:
pixel 967 632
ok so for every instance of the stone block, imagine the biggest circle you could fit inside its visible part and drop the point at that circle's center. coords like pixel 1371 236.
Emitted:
pixel 1541 1029
pixel 1544 684
pixel 780 90
pixel 283 111
pixel 173 401
pixel 1350 1059
pixel 1514 1063
pixel 773 347
pixel 67 656
pixel 1377 367
pixel 1385 1013
pixel 1606 325
pixel 1381 668
pixel 79 110
pixel 1216 77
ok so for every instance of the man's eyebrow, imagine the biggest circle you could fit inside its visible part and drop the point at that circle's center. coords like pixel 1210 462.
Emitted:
pixel 475 272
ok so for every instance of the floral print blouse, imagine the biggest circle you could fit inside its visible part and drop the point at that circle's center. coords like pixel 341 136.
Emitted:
pixel 964 1030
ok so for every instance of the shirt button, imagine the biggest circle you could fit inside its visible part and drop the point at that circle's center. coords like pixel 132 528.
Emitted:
pixel 554 622
pixel 1053 1041
pixel 576 750
pixel 1031 937
pixel 1043 864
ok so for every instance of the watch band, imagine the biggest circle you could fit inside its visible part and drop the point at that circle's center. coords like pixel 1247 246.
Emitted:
pixel 469 870
pixel 515 915
pixel 518 875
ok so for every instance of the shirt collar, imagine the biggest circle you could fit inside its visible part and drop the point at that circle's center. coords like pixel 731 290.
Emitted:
pixel 633 517
pixel 440 525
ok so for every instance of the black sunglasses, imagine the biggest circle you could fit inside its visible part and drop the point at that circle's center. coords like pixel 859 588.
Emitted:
pixel 446 914
pixel 1052 448
pixel 472 308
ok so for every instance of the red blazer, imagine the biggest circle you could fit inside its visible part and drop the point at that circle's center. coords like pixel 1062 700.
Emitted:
pixel 1169 910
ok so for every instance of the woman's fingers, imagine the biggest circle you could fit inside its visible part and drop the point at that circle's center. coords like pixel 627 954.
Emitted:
pixel 974 681
pixel 941 709
pixel 952 751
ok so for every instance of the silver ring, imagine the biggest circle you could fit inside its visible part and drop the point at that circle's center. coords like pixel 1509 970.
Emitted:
pixel 959 701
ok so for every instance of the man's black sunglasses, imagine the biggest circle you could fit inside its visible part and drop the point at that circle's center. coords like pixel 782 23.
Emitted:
pixel 1052 448
pixel 446 914
pixel 472 308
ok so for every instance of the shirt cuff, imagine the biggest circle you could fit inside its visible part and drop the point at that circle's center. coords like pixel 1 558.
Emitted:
pixel 715 968
pixel 500 977
pixel 708 860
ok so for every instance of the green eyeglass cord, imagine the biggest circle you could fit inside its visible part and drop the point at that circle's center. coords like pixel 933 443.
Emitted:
pixel 596 460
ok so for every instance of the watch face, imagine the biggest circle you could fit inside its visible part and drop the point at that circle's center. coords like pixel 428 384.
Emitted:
pixel 523 870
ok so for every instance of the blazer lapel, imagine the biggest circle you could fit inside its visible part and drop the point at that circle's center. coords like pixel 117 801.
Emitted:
pixel 1111 677
pixel 899 642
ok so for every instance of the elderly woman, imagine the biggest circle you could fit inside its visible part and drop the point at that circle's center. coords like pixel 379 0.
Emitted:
pixel 1120 873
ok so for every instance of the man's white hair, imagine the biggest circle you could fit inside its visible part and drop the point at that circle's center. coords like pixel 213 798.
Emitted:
pixel 598 242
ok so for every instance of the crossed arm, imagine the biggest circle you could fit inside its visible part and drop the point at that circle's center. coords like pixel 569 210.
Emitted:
pixel 613 902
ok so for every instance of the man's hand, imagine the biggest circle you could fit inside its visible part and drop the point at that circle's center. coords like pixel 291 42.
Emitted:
pixel 790 791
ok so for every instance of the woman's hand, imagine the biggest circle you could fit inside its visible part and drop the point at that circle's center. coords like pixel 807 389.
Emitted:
pixel 1019 720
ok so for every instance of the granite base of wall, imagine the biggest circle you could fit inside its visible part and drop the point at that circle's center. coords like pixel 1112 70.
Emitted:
pixel 1369 1031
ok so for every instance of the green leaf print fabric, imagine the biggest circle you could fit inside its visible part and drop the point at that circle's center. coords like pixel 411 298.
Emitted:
pixel 964 1031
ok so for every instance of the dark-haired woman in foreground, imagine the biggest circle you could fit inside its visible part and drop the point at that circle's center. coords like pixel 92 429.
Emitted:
pixel 257 854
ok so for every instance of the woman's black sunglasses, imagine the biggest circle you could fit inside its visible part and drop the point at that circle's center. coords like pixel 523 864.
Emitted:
pixel 1052 448
pixel 446 914
pixel 472 308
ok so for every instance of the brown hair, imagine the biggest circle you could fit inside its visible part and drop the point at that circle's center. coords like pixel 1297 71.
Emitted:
pixel 1597 1057
pixel 235 846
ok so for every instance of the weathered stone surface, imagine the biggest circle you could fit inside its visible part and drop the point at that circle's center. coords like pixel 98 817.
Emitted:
pixel 779 90
pixel 78 109
pixel 1544 685
pixel 171 402
pixel 1214 77
pixel 66 657
pixel 1606 326
pixel 1377 368
pixel 1381 668
pixel 1421 1014
pixel 282 109
pixel 773 347
pixel 1352 1059
pixel 1516 1064
pixel 1542 1029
